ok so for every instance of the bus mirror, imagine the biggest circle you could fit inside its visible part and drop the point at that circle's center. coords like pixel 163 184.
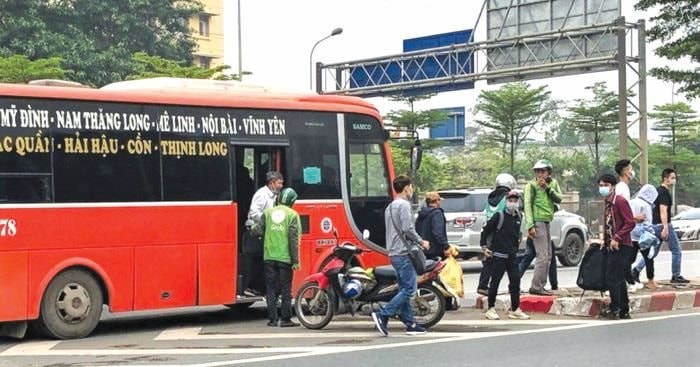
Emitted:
pixel 365 234
pixel 416 156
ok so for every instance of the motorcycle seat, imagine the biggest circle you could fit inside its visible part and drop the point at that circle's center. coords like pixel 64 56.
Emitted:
pixel 388 272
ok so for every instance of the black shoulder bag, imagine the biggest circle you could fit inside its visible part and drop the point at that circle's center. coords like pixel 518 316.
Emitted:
pixel 415 252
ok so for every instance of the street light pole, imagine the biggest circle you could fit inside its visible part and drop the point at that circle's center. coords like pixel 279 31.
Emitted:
pixel 335 32
pixel 240 48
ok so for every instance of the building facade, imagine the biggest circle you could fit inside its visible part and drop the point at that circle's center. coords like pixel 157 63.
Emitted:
pixel 208 32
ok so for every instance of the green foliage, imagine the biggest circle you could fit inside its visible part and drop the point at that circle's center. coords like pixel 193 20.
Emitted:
pixel 677 26
pixel 19 69
pixel 677 119
pixel 595 117
pixel 412 120
pixel 685 162
pixel 97 38
pixel 512 111
pixel 155 66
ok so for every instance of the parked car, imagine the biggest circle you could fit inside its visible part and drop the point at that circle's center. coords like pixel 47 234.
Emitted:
pixel 464 210
pixel 687 224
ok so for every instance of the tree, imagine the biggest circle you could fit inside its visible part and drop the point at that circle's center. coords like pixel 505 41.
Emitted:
pixel 19 69
pixel 147 66
pixel 512 112
pixel 595 117
pixel 412 120
pixel 677 26
pixel 677 119
pixel 97 38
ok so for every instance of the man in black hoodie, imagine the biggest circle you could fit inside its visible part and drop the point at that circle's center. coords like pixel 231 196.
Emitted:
pixel 496 203
pixel 431 226
pixel 504 229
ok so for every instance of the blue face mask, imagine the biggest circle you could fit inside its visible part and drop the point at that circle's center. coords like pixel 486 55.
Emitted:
pixel 604 190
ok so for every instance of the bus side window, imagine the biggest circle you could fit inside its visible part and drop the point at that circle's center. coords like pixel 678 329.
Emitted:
pixel 24 190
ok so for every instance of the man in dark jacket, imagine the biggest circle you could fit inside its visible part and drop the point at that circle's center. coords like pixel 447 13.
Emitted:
pixel 618 224
pixel 431 226
pixel 504 227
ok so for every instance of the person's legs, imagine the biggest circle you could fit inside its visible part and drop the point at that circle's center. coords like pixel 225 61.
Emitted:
pixel 649 262
pixel 542 260
pixel 271 284
pixel 513 282
pixel 629 276
pixel 528 257
pixel 675 247
pixel 485 275
pixel 497 269
pixel 285 277
pixel 615 278
pixel 626 254
pixel 406 277
pixel 553 280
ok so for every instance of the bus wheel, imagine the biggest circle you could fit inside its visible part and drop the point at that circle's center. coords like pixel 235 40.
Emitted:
pixel 71 305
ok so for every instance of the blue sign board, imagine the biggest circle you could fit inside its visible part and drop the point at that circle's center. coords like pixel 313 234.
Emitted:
pixel 420 67
pixel 451 129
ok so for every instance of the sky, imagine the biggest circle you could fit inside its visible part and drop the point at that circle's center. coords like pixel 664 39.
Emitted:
pixel 277 37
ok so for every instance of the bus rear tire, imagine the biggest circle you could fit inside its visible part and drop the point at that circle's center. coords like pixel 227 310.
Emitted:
pixel 71 305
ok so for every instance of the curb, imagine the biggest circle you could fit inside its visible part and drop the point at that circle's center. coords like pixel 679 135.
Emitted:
pixel 591 306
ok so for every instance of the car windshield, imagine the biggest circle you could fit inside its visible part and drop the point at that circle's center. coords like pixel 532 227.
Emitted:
pixel 463 202
pixel 688 215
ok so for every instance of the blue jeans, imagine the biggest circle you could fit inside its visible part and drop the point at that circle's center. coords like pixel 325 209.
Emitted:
pixel 674 246
pixel 401 303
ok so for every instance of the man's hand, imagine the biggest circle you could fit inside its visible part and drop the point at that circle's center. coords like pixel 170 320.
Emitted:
pixel 532 233
pixel 447 253
pixel 664 233
pixel 641 217
pixel 295 267
pixel 542 183
pixel 614 245
pixel 425 244
pixel 486 251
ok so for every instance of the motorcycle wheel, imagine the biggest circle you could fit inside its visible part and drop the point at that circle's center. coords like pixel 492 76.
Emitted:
pixel 428 306
pixel 313 306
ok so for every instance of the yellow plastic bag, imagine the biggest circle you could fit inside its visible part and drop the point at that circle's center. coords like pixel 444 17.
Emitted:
pixel 451 274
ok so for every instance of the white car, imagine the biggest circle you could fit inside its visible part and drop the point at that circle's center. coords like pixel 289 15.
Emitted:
pixel 687 224
pixel 464 211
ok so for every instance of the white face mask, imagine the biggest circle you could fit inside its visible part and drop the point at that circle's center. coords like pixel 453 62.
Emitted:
pixel 632 174
pixel 512 206
pixel 672 182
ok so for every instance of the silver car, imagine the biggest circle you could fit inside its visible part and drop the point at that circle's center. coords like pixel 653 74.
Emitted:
pixel 464 210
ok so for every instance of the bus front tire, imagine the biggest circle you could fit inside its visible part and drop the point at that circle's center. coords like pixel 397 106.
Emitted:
pixel 71 305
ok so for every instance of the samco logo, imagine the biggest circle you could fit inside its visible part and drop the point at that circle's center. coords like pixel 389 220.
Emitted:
pixel 357 126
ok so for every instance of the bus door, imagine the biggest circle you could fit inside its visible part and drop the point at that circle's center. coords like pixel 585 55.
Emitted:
pixel 251 164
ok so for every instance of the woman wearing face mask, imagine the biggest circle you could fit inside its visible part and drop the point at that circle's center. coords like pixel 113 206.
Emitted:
pixel 618 224
pixel 503 248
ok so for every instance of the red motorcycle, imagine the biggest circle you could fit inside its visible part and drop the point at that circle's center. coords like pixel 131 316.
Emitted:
pixel 342 288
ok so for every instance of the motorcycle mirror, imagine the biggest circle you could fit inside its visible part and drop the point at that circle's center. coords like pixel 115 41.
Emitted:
pixel 365 234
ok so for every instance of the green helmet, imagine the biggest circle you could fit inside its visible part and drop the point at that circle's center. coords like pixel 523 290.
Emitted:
pixel 287 196
pixel 543 163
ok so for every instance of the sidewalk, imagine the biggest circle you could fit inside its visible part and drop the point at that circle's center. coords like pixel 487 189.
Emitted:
pixel 569 301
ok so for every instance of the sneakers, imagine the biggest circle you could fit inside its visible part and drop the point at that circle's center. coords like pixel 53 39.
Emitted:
pixel 415 329
pixel 250 292
pixel 381 323
pixel 679 280
pixel 518 315
pixel 483 292
pixel 625 316
pixel 632 288
pixel 651 285
pixel 288 323
pixel 491 314
pixel 272 323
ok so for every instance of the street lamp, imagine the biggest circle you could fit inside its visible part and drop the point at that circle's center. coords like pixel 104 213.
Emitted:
pixel 335 32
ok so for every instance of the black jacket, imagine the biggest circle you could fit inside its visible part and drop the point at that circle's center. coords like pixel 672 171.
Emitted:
pixel 431 226
pixel 506 240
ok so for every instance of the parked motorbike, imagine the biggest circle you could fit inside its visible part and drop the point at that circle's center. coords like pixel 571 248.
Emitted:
pixel 341 288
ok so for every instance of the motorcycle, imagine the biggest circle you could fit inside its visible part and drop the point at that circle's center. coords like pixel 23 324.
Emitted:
pixel 341 288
